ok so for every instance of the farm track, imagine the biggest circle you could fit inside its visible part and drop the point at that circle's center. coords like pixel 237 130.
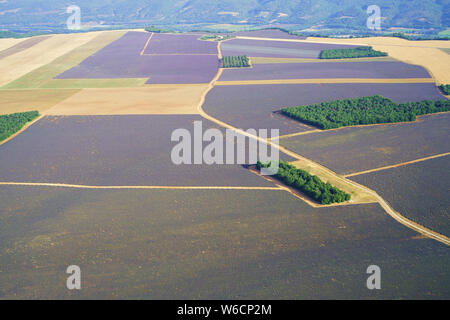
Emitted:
pixel 79 186
pixel 397 165
pixel 383 203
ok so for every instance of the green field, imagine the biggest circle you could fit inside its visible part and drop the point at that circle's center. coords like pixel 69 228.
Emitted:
pixel 41 76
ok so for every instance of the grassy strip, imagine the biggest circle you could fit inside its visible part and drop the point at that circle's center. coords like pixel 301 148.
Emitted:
pixel 311 185
pixel 11 123
pixel 39 77
pixel 235 62
pixel 359 52
pixel 363 111
pixel 445 88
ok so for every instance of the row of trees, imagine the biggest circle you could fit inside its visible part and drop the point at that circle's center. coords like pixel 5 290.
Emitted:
pixel 359 52
pixel 361 111
pixel 11 123
pixel 445 88
pixel 236 62
pixel 311 185
pixel 157 30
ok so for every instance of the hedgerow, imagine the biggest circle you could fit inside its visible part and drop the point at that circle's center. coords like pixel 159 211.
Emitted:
pixel 311 185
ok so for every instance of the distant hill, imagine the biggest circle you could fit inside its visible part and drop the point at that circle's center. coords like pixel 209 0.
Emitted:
pixel 419 14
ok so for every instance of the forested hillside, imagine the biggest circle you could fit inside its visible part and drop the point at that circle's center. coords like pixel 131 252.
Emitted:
pixel 303 13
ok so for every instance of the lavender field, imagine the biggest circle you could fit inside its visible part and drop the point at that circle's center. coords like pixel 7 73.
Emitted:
pixel 253 106
pixel 408 189
pixel 122 59
pixel 162 43
pixel 263 48
pixel 356 149
pixel 326 70
pixel 112 150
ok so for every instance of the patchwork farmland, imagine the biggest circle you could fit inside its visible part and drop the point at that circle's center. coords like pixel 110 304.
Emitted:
pixel 134 56
pixel 91 181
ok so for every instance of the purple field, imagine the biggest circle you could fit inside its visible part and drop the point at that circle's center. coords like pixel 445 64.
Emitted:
pixel 325 70
pixel 420 191
pixel 207 244
pixel 356 149
pixel 122 59
pixel 25 44
pixel 162 43
pixel 112 150
pixel 267 33
pixel 253 106
pixel 262 48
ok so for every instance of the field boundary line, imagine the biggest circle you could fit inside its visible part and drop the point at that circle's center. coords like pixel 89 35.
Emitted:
pixel 397 165
pixel 296 134
pixel 179 54
pixel 80 186
pixel 146 44
pixel 383 203
pixel 323 81
pixel 25 127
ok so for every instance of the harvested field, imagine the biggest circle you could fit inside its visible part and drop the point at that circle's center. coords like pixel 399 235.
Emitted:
pixel 267 33
pixel 22 45
pixel 427 54
pixel 262 48
pixel 112 150
pixel 161 43
pixel 41 54
pixel 152 99
pixel 324 70
pixel 355 149
pixel 253 106
pixel 166 244
pixel 45 72
pixel 419 191
pixel 122 59
pixel 12 101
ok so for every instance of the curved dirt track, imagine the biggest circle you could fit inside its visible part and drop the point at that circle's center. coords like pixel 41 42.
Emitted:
pixel 389 210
